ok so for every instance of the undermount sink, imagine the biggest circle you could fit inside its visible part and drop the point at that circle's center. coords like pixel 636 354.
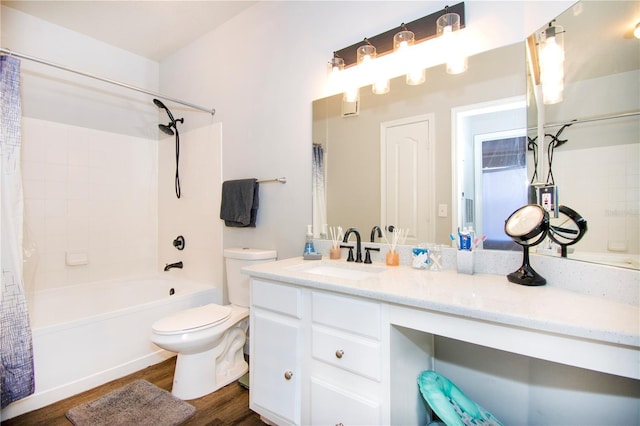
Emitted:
pixel 340 270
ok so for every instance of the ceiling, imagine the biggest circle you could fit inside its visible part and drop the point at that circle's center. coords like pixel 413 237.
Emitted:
pixel 153 29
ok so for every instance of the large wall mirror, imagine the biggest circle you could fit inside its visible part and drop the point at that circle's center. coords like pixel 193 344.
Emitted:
pixel 394 162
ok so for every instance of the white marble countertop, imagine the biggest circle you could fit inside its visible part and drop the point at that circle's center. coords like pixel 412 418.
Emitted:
pixel 486 297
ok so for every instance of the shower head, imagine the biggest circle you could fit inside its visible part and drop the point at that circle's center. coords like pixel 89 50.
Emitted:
pixel 159 104
pixel 166 128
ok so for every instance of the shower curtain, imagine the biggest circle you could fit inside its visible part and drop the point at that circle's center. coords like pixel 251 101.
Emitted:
pixel 319 199
pixel 16 346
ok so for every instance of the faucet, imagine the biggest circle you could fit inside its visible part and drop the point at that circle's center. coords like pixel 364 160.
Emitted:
pixel 173 265
pixel 358 243
pixel 373 233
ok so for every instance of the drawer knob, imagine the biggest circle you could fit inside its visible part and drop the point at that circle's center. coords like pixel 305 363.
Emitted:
pixel 339 424
pixel 339 353
pixel 288 375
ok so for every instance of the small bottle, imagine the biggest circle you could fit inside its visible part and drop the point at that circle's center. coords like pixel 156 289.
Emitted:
pixel 308 245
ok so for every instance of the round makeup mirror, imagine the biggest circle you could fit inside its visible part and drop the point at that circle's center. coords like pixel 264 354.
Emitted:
pixel 527 227
pixel 567 229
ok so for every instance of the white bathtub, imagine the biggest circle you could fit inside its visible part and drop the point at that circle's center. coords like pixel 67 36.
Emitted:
pixel 86 335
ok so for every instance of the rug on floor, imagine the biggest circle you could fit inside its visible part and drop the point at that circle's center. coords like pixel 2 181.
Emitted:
pixel 138 403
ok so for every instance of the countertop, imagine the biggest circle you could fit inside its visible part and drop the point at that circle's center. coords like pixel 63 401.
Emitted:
pixel 486 297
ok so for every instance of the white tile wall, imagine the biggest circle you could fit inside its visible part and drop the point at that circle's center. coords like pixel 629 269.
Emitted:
pixel 87 191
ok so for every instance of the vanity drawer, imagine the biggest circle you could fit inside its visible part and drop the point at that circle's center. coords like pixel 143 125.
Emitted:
pixel 331 405
pixel 349 352
pixel 279 298
pixel 346 313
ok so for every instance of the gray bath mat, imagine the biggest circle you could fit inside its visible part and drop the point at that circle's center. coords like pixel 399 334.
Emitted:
pixel 138 403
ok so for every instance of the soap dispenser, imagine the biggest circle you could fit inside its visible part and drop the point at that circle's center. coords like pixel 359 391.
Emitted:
pixel 308 245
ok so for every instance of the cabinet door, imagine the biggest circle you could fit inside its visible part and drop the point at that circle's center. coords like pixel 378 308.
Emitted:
pixel 275 363
pixel 331 405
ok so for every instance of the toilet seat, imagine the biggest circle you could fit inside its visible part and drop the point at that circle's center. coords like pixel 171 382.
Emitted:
pixel 192 319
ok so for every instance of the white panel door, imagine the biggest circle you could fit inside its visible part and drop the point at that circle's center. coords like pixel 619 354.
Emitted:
pixel 407 188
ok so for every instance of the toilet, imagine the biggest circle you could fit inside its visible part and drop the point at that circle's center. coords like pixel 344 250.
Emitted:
pixel 210 339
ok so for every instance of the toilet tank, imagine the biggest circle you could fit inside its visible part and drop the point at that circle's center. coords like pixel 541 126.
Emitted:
pixel 237 282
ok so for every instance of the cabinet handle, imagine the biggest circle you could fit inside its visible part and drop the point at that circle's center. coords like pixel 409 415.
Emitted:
pixel 288 375
pixel 339 353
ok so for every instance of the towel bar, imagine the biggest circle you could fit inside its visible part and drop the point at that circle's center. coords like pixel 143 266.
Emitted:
pixel 281 180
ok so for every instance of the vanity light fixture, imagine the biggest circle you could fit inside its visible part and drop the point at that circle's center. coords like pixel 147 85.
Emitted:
pixel 448 26
pixel 636 31
pixel 366 54
pixel 402 45
pixel 369 64
pixel 335 65
pixel 551 48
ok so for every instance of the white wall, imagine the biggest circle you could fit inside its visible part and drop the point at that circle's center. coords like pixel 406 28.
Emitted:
pixel 262 69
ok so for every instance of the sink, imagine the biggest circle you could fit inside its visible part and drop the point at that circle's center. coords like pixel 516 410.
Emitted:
pixel 340 270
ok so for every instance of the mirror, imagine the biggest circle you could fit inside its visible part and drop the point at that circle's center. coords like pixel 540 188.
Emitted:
pixel 596 171
pixel 354 185
pixel 363 187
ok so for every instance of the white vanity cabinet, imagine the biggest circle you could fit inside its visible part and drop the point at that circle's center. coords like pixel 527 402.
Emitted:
pixel 347 361
pixel 316 357
pixel 276 340
pixel 355 346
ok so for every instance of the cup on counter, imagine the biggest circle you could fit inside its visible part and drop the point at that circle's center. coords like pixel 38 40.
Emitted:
pixel 464 261
pixel 334 252
pixel 393 258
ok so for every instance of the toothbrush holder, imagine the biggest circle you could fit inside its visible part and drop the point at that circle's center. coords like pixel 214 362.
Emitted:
pixel 464 261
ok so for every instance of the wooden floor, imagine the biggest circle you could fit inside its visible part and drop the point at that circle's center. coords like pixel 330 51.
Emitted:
pixel 227 406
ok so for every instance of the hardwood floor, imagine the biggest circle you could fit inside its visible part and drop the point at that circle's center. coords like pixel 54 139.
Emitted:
pixel 227 406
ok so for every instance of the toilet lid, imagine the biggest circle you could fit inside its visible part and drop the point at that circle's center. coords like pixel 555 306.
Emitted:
pixel 193 318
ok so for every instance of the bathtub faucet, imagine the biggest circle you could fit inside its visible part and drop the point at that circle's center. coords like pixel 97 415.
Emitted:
pixel 173 265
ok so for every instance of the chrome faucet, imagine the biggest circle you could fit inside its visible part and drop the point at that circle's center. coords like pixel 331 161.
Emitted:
pixel 358 243
pixel 173 265
pixel 373 233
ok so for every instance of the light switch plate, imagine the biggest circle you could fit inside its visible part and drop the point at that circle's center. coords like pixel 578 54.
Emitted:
pixel 443 210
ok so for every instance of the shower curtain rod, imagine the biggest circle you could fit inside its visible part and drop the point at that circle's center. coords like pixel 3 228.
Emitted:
pixel 9 52
pixel 589 120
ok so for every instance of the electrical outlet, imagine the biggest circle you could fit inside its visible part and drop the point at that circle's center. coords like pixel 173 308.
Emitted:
pixel 443 210
pixel 548 199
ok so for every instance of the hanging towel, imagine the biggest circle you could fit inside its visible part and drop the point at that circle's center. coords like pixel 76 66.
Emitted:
pixel 239 206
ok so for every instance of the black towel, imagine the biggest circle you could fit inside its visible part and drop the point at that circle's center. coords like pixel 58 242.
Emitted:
pixel 239 206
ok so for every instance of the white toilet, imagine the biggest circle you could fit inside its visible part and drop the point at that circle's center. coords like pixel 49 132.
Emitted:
pixel 210 339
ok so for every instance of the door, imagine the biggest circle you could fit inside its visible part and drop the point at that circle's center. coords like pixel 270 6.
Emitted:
pixel 407 182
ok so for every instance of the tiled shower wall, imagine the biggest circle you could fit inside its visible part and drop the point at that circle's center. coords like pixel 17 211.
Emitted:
pixel 88 195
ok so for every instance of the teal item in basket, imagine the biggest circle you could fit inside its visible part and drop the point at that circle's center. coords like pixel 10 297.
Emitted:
pixel 451 405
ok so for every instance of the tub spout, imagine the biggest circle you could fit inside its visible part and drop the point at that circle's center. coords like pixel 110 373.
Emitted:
pixel 173 265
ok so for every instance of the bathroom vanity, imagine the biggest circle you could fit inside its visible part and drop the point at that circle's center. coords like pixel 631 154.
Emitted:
pixel 334 342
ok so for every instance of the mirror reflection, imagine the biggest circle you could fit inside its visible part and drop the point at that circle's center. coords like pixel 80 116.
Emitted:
pixel 377 172
pixel 391 163
pixel 591 150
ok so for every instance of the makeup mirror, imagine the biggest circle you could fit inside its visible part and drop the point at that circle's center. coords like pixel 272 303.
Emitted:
pixel 527 227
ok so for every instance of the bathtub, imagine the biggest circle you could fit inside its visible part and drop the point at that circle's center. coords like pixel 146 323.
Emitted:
pixel 88 334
